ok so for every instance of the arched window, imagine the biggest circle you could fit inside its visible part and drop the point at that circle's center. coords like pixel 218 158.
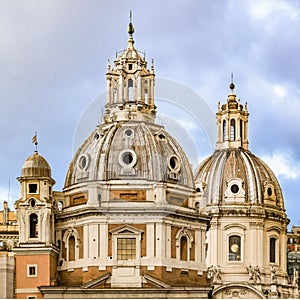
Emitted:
pixel 183 248
pixel 114 96
pixel 130 89
pixel 146 96
pixel 234 248
pixel 272 250
pixel 184 240
pixel 71 240
pixel 33 221
pixel 241 129
pixel 224 131
pixel 232 130
pixel 71 248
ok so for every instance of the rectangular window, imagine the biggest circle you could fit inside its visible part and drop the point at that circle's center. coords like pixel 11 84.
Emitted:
pixel 126 248
pixel 234 248
pixel 31 270
pixel 32 188
pixel 272 250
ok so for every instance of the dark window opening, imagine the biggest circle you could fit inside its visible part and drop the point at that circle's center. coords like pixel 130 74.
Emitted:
pixel 173 162
pixel 71 248
pixel 224 131
pixel 241 129
pixel 33 220
pixel 32 271
pixel 32 188
pixel 232 130
pixel 269 191
pixel 272 250
pixel 234 188
pixel 130 67
pixel 32 203
pixel 183 248
pixel 128 132
pixel 127 158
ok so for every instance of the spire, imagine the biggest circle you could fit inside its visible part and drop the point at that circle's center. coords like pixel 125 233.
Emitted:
pixel 232 86
pixel 130 32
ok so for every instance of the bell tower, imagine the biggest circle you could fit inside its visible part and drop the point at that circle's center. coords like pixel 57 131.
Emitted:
pixel 232 122
pixel 130 86
pixel 36 253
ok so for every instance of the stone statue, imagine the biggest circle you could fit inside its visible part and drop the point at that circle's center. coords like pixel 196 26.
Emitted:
pixel 254 274
pixel 273 276
pixel 214 273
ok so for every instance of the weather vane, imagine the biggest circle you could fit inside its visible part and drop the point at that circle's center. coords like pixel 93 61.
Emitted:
pixel 35 141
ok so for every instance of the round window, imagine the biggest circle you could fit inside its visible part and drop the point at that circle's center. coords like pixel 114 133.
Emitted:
pixel 128 132
pixel 127 158
pixel 269 191
pixel 234 188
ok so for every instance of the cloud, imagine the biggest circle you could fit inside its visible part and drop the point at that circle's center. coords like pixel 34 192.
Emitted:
pixel 283 165
pixel 267 9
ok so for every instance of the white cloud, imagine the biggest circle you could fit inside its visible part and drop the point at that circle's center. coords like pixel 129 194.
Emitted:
pixel 268 8
pixel 282 164
pixel 280 90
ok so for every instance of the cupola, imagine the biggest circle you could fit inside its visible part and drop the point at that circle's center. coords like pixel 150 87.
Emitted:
pixel 232 122
pixel 130 86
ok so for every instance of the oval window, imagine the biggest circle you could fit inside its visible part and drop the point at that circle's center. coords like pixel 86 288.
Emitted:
pixel 82 162
pixel 173 162
pixel 234 188
pixel 269 191
pixel 32 203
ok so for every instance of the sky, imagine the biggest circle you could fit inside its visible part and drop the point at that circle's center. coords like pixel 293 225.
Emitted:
pixel 53 60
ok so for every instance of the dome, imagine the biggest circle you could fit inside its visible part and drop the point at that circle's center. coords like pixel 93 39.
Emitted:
pixel 128 151
pixel 235 175
pixel 36 166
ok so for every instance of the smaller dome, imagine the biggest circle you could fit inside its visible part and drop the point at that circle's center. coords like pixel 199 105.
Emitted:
pixel 36 166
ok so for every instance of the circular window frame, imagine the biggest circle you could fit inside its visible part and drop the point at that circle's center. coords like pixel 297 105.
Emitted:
pixel 128 133
pixel 133 156
pixel 177 166
pixel 234 188
pixel 80 164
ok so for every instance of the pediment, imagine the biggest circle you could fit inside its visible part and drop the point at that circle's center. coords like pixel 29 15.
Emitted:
pixel 126 229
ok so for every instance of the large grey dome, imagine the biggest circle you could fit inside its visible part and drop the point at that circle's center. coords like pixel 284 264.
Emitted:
pixel 238 176
pixel 130 151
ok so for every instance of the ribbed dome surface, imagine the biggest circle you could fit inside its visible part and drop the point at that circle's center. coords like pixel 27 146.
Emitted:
pixel 238 176
pixel 130 151
pixel 36 166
